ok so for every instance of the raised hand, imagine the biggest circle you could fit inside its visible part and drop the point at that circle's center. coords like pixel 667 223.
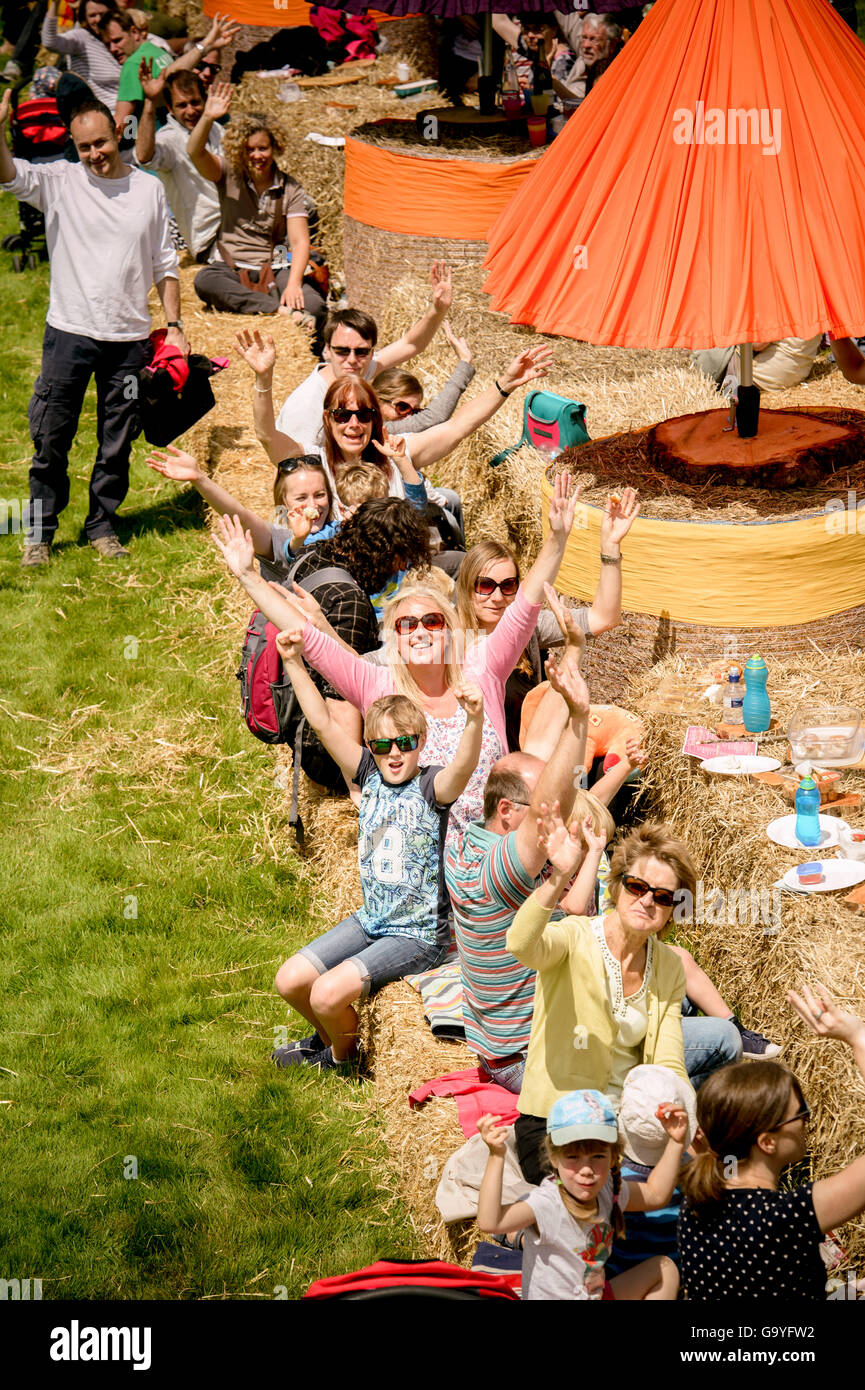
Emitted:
pixel 565 678
pixel 308 605
pixel 289 644
pixel 563 505
pixel 152 85
pixel 236 546
pixel 573 634
pixel 470 697
pixel 620 513
pixel 174 463
pixel 218 100
pixel 675 1121
pixel 493 1134
pixel 258 352
pixel 300 522
pixel 459 345
pixel 822 1015
pixel 442 286
pixel 595 840
pixel 525 367
pixel 563 847
pixel 5 107
pixel 220 33
pixel 634 754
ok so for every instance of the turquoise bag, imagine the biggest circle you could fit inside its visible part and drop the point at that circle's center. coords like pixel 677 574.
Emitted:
pixel 551 423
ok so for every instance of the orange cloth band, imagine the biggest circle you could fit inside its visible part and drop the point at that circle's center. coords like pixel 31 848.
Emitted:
pixel 284 13
pixel 418 196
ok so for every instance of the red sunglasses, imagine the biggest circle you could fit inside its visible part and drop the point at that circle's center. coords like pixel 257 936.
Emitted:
pixel 433 622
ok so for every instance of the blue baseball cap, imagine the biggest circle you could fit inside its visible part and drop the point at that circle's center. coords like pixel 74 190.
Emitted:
pixel 582 1115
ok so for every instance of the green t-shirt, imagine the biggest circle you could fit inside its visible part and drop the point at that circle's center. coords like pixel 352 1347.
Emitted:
pixel 130 87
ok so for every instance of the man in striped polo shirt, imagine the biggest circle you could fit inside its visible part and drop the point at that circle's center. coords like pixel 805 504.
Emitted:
pixel 495 865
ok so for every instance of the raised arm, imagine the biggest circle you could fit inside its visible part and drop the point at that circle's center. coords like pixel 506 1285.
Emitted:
pixel 55 42
pixel 182 468
pixel 7 167
pixel 620 513
pixel 260 355
pixel 579 898
pixel 658 1189
pixel 345 750
pixel 841 1197
pixel 431 445
pixel 421 334
pixel 563 505
pixel 443 405
pixel 531 937
pixel 236 546
pixel 452 781
pixel 220 34
pixel 558 781
pixel 217 105
pixel 492 1216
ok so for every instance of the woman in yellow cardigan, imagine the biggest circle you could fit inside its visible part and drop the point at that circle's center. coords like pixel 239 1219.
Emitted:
pixel 608 994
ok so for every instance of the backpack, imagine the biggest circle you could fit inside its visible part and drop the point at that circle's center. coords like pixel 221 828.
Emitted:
pixel 270 707
pixel 551 423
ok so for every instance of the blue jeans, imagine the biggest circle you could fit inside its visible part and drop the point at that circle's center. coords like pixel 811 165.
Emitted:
pixel 710 1043
pixel 378 959
pixel 509 1076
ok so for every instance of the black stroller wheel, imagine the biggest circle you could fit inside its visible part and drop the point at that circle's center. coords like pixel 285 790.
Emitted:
pixel 15 242
pixel 17 263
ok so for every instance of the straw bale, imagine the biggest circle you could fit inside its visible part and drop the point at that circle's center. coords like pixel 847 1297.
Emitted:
pixel 821 939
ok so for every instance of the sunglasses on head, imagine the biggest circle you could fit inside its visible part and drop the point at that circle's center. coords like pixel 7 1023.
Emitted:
pixel 347 351
pixel 302 461
pixel 433 622
pixel 364 414
pixel 803 1114
pixel 487 587
pixel 404 407
pixel 406 743
pixel 663 897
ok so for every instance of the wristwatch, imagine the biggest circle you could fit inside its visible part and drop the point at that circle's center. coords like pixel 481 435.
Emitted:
pixel 175 323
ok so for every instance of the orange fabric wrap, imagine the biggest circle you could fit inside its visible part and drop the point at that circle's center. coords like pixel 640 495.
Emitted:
pixel 427 197
pixel 665 215
pixel 270 14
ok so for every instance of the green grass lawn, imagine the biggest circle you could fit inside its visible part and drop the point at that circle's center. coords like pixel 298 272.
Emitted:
pixel 148 892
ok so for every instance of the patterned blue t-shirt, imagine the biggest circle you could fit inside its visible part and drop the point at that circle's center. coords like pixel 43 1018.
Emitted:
pixel 401 835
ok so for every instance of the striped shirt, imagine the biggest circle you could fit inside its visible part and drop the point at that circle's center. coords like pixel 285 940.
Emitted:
pixel 488 885
pixel 89 58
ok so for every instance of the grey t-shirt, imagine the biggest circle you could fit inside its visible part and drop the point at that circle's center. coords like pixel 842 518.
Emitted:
pixel 563 1259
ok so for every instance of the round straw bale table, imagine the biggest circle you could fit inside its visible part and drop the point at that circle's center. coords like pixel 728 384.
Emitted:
pixel 724 569
pixel 407 204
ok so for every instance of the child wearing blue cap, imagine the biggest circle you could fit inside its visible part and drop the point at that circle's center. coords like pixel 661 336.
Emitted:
pixel 569 1221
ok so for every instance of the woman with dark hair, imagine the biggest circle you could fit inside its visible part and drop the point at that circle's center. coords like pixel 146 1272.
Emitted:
pixel 739 1235
pixel 262 253
pixel 87 55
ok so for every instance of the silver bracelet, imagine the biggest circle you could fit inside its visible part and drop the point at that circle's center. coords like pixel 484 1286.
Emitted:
pixel 263 390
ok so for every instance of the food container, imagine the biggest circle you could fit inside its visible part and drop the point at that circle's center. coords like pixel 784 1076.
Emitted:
pixel 826 735
pixel 852 842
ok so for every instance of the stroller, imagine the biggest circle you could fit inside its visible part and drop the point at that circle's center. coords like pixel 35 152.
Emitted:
pixel 38 135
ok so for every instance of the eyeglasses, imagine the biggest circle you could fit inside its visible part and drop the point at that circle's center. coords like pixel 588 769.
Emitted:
pixel 663 897
pixel 487 587
pixel 433 622
pixel 804 1114
pixel 406 743
pixel 363 414
pixel 350 351
pixel 404 408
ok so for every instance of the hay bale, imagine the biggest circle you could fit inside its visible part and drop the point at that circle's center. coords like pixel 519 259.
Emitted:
pixel 821 939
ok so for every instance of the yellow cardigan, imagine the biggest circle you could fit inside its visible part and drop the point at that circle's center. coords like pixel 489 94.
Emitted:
pixel 573 1030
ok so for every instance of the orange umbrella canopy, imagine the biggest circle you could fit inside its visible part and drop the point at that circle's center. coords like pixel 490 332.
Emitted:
pixel 710 190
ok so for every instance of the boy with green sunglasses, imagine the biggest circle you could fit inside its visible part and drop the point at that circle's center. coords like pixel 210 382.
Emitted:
pixel 403 926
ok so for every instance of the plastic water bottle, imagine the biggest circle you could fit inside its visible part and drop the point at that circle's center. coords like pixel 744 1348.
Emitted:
pixel 808 813
pixel 756 710
pixel 733 697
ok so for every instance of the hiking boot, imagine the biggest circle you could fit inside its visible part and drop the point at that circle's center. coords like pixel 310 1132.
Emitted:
pixel 754 1044
pixel 35 553
pixel 109 547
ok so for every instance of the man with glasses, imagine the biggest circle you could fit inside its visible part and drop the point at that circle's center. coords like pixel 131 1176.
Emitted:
pixel 350 338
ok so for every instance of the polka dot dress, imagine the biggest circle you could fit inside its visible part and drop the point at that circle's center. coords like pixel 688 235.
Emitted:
pixel 756 1244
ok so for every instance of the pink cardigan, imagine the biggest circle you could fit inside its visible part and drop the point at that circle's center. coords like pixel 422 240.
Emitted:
pixel 489 663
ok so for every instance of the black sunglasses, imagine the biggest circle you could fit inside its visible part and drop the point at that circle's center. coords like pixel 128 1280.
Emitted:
pixel 487 587
pixel 664 897
pixel 404 407
pixel 406 743
pixel 302 461
pixel 433 622
pixel 208 67
pixel 364 414
pixel 346 352
pixel 803 1114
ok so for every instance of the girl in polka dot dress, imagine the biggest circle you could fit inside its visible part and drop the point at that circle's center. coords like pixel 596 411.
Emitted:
pixel 739 1237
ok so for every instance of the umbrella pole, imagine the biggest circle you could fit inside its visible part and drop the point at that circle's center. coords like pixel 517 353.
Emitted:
pixel 748 407
pixel 486 81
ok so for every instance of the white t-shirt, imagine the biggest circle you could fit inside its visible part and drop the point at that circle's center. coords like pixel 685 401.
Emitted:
pixel 193 198
pixel 564 1258
pixel 108 242
pixel 301 415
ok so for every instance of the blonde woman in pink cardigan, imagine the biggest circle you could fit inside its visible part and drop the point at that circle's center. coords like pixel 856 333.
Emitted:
pixel 425 646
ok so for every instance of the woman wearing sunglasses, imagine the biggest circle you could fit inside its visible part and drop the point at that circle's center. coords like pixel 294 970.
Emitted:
pixel 401 394
pixel 609 993
pixel 739 1236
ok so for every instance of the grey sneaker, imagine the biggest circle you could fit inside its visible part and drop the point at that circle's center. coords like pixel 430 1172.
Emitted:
pixel 35 553
pixel 109 548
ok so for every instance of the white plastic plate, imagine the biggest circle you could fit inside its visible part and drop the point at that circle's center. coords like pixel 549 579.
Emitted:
pixel 837 873
pixel 739 765
pixel 783 832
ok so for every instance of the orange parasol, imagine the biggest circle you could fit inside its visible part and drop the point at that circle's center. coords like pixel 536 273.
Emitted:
pixel 709 191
